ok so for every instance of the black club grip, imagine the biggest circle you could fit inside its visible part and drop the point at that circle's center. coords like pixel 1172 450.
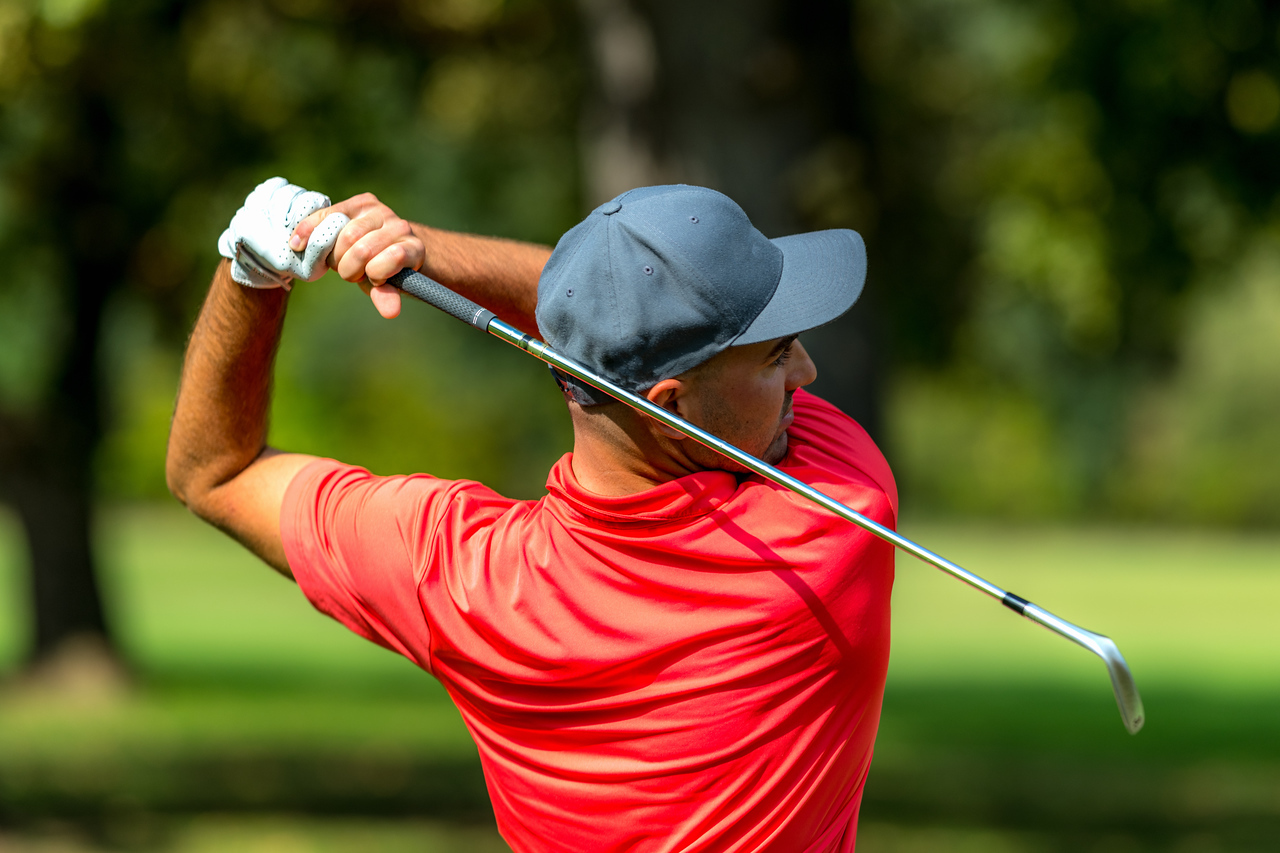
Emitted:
pixel 434 293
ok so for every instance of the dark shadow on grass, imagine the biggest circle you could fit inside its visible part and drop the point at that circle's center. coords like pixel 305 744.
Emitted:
pixel 245 678
pixel 253 781
pixel 1058 760
pixel 1052 762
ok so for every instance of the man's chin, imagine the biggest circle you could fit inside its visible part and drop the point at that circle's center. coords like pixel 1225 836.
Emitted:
pixel 777 450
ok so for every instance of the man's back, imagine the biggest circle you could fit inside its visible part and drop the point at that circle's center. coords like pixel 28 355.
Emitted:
pixel 695 663
pixel 696 666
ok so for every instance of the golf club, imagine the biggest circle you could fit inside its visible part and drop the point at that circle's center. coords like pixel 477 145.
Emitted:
pixel 434 293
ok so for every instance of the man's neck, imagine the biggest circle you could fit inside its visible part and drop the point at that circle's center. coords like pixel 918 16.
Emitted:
pixel 611 461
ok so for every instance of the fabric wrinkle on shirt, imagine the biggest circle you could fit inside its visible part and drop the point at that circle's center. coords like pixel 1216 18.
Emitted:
pixel 699 666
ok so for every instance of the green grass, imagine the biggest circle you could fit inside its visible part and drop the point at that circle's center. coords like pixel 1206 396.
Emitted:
pixel 997 735
pixel 249 701
pixel 992 722
pixel 229 651
pixel 1186 607
pixel 219 833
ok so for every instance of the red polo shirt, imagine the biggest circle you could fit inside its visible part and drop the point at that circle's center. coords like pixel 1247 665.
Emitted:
pixel 696 667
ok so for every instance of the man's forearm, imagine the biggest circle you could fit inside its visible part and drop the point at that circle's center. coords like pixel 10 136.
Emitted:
pixel 220 422
pixel 502 275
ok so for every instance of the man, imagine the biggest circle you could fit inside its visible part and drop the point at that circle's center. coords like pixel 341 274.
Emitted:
pixel 664 653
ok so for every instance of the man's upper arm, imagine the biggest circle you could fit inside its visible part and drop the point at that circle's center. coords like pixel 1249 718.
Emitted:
pixel 361 545
pixel 248 505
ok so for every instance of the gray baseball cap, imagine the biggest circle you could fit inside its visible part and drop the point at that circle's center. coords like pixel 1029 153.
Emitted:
pixel 660 279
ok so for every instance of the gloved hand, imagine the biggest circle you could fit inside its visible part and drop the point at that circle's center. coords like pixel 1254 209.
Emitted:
pixel 257 240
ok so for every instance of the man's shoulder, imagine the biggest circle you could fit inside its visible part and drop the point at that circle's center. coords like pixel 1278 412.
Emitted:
pixel 820 422
pixel 826 437
pixel 328 481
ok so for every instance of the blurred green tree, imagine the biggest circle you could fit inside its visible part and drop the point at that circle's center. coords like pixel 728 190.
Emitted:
pixel 1062 186
pixel 1055 194
pixel 128 134
pixel 759 99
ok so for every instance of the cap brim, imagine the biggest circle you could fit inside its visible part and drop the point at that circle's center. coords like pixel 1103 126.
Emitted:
pixel 822 276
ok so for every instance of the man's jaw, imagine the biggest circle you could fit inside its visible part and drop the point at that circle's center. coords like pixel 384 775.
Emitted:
pixel 788 414
pixel 778 447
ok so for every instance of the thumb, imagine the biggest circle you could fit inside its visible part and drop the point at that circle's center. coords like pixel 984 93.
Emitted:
pixel 302 234
pixel 320 244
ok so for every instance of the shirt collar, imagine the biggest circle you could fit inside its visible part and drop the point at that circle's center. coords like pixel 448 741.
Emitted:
pixel 683 498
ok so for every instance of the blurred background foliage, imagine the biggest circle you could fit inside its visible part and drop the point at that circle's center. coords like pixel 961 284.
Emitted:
pixel 1099 180
pixel 1070 207
pixel 458 113
pixel 1073 310
pixel 1073 314
pixel 129 130
pixel 1070 210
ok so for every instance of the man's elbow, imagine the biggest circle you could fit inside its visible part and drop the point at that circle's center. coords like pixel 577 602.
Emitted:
pixel 184 482
pixel 179 485
pixel 175 476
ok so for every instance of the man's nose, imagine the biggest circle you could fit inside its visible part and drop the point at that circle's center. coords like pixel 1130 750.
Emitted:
pixel 800 368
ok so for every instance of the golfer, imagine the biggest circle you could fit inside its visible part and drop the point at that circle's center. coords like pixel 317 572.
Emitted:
pixel 664 653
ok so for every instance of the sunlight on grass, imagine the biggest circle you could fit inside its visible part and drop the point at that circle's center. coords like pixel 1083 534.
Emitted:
pixel 188 599
pixel 231 656
pixel 1186 607
pixel 251 700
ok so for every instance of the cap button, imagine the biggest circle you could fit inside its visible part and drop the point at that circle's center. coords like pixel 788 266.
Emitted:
pixel 610 208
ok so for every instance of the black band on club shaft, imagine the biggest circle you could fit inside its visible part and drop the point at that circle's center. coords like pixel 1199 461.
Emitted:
pixel 1016 603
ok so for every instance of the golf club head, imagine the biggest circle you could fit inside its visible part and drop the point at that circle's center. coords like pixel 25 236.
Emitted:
pixel 1121 683
pixel 1121 678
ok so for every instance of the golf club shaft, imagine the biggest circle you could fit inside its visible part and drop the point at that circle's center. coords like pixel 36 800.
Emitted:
pixel 434 293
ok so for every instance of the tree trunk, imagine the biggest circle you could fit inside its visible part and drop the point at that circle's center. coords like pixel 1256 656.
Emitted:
pixel 741 96
pixel 65 596
pixel 47 476
pixel 46 458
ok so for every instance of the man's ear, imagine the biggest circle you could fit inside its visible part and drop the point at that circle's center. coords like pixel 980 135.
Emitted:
pixel 670 395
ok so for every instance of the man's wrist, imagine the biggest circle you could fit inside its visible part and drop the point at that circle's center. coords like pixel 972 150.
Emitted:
pixel 428 237
pixel 223 278
pixel 257 240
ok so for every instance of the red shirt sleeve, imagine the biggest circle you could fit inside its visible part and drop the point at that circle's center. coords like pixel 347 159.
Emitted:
pixel 360 546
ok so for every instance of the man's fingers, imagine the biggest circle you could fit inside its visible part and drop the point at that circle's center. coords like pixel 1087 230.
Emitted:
pixel 358 207
pixel 302 234
pixel 352 208
pixel 351 236
pixel 379 254
pixel 386 299
pixel 374 245
pixel 317 257
pixel 396 257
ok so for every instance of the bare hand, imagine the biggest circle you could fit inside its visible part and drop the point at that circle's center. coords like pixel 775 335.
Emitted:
pixel 375 245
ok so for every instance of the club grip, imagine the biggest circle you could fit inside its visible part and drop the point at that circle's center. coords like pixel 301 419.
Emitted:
pixel 434 293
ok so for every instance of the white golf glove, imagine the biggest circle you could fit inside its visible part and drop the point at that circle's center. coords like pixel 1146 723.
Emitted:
pixel 257 240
